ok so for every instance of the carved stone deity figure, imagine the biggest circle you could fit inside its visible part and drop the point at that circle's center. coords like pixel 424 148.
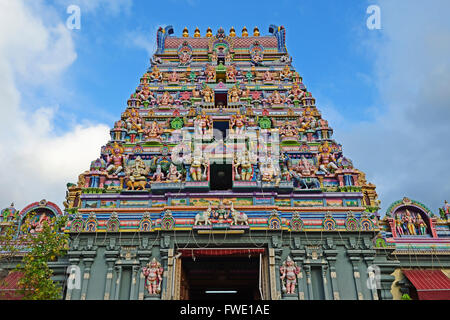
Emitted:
pixel 268 77
pixel 173 77
pixel 325 158
pixel 203 124
pixel 409 221
pixel 286 73
pixel 156 75
pixel 304 174
pixel 421 225
pixel 308 120
pixel 245 164
pixel 231 74
pixel 173 175
pixel 289 273
pixel 210 73
pixel 208 94
pixel 269 173
pixel 166 99
pixel 136 174
pixel 234 94
pixel 146 94
pixel 238 123
pixel 158 176
pixel 153 131
pixel 221 213
pixel 288 130
pixel 276 98
pixel 38 226
pixel 296 92
pixel 134 123
pixel 398 225
pixel 199 166
pixel 153 273
pixel 116 160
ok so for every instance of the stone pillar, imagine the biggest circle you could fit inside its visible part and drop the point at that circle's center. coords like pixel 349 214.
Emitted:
pixel 272 275
pixel 355 259
pixel 134 276
pixel 74 262
pixel 87 261
pixel 308 282
pixel 169 276
pixel 118 270
pixel 109 278
pixel 331 257
pixel 143 259
pixel 298 257
pixel 325 281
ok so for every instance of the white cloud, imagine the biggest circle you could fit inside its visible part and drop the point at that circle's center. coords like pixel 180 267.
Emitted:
pixel 405 149
pixel 35 162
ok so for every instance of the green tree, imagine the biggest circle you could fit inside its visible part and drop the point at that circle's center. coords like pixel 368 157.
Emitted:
pixel 41 248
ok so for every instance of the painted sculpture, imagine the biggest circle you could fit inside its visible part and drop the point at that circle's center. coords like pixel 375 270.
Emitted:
pixel 239 218
pixel 289 273
pixel 203 218
pixel 153 274
pixel 136 174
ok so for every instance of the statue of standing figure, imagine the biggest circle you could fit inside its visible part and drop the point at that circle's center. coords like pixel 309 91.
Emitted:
pixel 289 273
pixel 153 277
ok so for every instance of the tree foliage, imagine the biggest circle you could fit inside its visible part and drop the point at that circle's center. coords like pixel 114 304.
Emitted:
pixel 41 247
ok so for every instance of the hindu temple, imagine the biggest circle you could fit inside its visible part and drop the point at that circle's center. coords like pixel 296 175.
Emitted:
pixel 222 180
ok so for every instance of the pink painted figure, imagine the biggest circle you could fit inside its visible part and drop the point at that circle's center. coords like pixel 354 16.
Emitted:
pixel 420 225
pixel 398 225
pixel 173 77
pixel 276 98
pixel 166 99
pixel 289 272
pixel 203 124
pixel 116 160
pixel 238 123
pixel 325 159
pixel 231 74
pixel 296 92
pixel 268 77
pixel 158 176
pixel 210 73
pixel 173 175
pixel 153 276
pixel 38 226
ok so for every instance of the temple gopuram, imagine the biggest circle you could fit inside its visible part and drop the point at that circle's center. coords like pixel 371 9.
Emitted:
pixel 222 180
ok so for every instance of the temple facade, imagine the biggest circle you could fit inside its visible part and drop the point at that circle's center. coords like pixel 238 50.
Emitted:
pixel 222 180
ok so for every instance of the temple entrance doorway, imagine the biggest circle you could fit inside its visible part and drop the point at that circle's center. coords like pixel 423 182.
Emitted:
pixel 211 276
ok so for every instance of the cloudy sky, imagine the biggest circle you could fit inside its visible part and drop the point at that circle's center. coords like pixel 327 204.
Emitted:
pixel 385 92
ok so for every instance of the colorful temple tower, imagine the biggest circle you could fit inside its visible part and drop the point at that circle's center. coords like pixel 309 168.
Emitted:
pixel 222 179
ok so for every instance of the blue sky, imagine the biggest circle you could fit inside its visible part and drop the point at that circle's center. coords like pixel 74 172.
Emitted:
pixel 323 37
pixel 385 92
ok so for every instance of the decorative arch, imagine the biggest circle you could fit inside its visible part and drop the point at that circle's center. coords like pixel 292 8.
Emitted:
pixel 410 218
pixel 40 207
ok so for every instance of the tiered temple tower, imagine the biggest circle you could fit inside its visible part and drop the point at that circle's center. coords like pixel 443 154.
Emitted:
pixel 221 157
